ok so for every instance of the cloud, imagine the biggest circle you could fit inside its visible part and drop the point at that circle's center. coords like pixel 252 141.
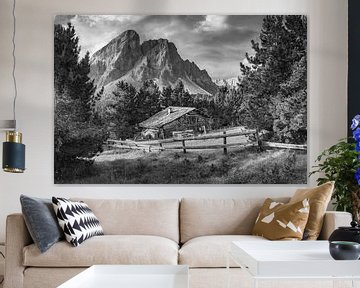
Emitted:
pixel 216 43
pixel 229 36
pixel 244 21
pixel 213 23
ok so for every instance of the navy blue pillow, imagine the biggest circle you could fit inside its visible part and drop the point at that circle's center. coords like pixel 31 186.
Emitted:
pixel 41 221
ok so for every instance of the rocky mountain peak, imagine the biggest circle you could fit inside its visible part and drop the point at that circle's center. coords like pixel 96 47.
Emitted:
pixel 116 58
pixel 123 58
pixel 129 36
pixel 161 43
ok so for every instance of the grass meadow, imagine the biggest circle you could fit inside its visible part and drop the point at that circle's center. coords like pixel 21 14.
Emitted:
pixel 239 166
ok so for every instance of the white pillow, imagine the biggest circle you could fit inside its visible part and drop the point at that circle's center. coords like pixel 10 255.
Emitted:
pixel 76 220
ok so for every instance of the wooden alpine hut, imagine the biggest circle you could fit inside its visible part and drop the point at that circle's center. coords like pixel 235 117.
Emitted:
pixel 174 121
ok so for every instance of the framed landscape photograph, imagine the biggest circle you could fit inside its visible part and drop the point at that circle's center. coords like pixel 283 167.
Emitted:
pixel 180 99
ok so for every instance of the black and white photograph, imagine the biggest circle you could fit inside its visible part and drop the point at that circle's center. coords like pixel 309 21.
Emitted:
pixel 180 99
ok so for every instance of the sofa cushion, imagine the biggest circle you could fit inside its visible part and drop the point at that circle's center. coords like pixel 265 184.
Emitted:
pixel 201 217
pixel 41 221
pixel 211 251
pixel 76 220
pixel 279 221
pixel 319 198
pixel 158 217
pixel 107 249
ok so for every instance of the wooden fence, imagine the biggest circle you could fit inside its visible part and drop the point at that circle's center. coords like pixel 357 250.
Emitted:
pixel 158 145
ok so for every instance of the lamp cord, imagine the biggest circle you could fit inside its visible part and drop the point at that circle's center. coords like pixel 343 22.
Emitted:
pixel 14 60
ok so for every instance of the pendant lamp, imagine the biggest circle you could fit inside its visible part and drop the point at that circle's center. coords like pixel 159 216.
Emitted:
pixel 13 149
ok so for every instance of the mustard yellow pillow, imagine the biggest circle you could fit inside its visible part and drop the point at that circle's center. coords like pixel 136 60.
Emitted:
pixel 279 221
pixel 319 198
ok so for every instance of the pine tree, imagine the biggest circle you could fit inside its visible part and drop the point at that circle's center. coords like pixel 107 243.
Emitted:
pixel 126 112
pixel 83 87
pixel 78 137
pixel 97 116
pixel 165 97
pixel 274 84
pixel 291 123
pixel 180 96
pixel 148 96
pixel 66 56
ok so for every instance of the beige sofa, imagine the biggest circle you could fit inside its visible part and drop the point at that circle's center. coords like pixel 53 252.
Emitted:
pixel 194 232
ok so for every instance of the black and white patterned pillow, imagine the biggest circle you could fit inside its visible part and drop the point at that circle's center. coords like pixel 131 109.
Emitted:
pixel 77 220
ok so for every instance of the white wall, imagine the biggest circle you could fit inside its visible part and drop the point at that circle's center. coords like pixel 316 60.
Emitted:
pixel 327 89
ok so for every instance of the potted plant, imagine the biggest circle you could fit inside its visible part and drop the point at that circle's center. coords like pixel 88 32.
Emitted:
pixel 341 163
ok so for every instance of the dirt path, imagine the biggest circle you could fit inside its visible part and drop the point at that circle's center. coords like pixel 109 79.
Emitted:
pixel 125 154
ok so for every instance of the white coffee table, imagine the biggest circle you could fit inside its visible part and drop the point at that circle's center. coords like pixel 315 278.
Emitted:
pixel 292 260
pixel 131 276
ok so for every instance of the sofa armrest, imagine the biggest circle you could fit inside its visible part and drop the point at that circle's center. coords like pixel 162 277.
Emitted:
pixel 333 220
pixel 17 237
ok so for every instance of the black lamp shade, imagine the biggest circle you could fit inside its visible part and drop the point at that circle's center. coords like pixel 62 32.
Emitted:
pixel 13 157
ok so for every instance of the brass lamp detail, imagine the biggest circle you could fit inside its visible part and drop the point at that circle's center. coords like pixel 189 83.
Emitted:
pixel 13 136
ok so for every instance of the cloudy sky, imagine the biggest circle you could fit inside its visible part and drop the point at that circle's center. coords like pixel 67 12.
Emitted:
pixel 215 43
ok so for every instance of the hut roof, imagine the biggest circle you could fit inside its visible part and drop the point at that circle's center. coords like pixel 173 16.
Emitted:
pixel 166 116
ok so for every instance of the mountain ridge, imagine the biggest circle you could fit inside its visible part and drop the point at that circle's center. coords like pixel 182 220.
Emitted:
pixel 124 58
pixel 228 82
